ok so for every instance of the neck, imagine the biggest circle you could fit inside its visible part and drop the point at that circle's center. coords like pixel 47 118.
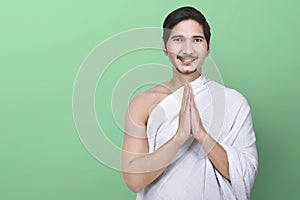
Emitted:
pixel 179 80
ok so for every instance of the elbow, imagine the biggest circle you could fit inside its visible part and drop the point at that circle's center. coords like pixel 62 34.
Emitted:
pixel 133 183
pixel 250 176
pixel 133 188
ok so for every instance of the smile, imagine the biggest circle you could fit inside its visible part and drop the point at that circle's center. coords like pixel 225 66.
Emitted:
pixel 188 59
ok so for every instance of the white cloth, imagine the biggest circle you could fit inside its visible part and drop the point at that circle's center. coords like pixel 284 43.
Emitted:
pixel 226 116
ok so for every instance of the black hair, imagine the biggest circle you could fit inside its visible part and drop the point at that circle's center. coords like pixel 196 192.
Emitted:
pixel 184 13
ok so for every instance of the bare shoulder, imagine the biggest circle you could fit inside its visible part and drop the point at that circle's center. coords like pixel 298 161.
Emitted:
pixel 143 103
pixel 139 108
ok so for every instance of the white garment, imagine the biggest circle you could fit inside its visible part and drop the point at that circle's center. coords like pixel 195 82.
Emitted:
pixel 226 116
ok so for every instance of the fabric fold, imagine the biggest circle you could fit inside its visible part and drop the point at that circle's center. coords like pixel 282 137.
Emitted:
pixel 226 116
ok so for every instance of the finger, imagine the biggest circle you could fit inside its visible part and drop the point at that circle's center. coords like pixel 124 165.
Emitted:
pixel 192 100
pixel 189 105
pixel 185 98
pixel 192 95
pixel 194 108
pixel 186 115
pixel 188 101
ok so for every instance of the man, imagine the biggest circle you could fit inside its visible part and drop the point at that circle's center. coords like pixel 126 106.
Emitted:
pixel 189 137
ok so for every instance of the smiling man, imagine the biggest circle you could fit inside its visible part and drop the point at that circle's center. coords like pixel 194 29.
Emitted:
pixel 189 137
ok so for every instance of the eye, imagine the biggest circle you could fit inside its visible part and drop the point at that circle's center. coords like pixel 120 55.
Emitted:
pixel 177 40
pixel 198 40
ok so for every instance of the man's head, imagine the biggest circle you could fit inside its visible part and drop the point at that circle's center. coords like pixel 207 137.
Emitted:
pixel 186 38
pixel 184 13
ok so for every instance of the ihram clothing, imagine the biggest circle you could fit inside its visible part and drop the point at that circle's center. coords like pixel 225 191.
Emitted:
pixel 226 116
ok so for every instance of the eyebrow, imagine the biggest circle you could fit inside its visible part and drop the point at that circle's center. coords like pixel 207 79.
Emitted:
pixel 181 36
pixel 177 36
pixel 198 36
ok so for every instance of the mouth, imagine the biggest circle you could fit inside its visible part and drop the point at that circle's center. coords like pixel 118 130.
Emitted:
pixel 186 60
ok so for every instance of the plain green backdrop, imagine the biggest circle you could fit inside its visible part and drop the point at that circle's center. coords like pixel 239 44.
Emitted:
pixel 43 43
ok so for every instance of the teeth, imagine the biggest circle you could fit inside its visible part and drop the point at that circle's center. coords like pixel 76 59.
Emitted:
pixel 186 60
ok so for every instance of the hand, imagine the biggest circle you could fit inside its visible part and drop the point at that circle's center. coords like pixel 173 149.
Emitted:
pixel 198 130
pixel 184 126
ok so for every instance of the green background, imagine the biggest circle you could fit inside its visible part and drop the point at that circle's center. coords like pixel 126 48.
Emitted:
pixel 43 43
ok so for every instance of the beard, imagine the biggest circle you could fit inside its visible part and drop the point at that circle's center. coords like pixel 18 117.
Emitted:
pixel 186 72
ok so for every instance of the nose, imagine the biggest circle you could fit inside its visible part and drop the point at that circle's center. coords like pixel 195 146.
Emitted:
pixel 187 47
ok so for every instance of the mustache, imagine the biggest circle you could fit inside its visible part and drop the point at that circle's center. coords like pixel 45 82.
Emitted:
pixel 187 57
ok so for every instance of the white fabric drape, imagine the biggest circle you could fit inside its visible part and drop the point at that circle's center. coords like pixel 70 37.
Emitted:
pixel 226 116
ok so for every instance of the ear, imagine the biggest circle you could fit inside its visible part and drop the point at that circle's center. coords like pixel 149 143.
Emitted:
pixel 164 48
pixel 208 49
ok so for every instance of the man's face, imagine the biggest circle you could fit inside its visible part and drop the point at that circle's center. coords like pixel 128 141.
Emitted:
pixel 187 47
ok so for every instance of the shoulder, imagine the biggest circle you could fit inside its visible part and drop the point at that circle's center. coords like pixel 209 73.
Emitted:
pixel 148 97
pixel 233 97
pixel 236 102
pixel 143 103
pixel 236 106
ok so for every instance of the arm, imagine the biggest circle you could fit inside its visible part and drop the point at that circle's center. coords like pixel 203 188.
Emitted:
pixel 216 153
pixel 236 160
pixel 139 167
pixel 241 152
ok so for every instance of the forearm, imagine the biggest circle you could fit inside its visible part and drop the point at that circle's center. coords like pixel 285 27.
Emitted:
pixel 139 170
pixel 216 154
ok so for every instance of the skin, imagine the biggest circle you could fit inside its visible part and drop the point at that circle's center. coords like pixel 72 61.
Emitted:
pixel 186 50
